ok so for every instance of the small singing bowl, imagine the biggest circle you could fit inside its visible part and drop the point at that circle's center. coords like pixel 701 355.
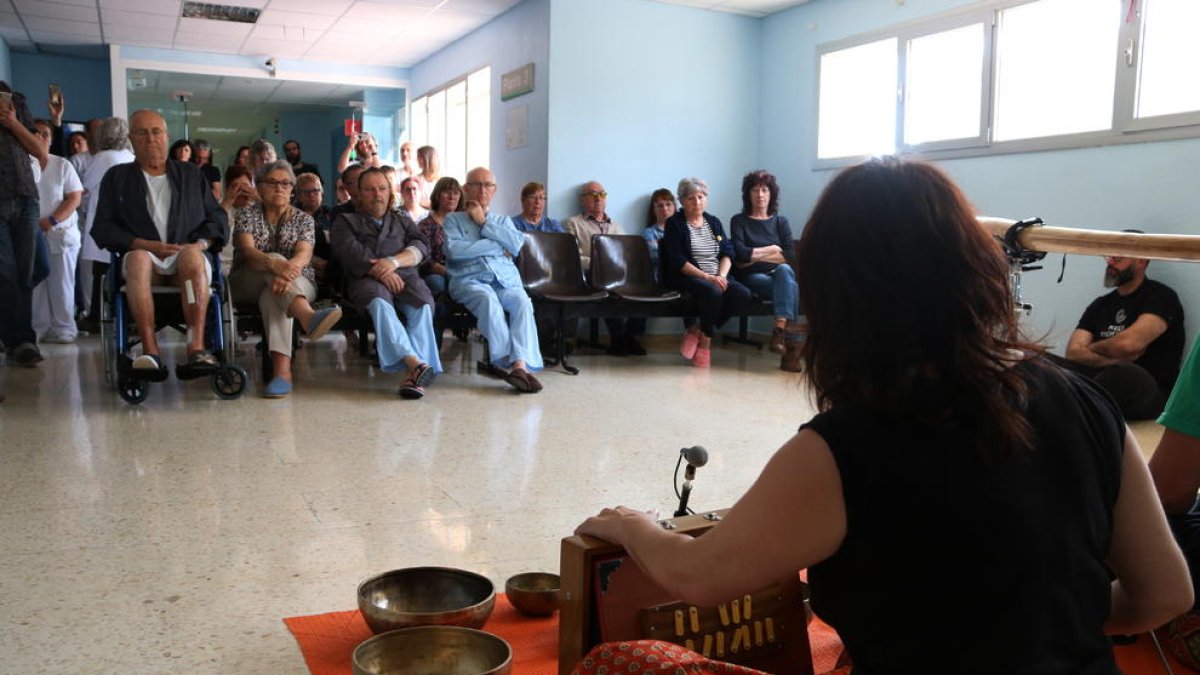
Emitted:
pixel 433 650
pixel 534 593
pixel 426 596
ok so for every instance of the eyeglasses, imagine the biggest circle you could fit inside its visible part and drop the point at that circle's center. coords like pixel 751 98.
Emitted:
pixel 596 195
pixel 310 191
pixel 482 186
pixel 277 184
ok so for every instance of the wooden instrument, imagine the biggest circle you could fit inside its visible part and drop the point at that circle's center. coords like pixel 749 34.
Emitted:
pixel 1179 247
pixel 606 597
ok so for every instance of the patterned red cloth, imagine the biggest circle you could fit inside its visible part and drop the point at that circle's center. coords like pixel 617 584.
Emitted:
pixel 651 656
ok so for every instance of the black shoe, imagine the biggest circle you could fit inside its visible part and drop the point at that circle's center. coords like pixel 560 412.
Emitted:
pixel 26 354
pixel 616 347
pixel 634 347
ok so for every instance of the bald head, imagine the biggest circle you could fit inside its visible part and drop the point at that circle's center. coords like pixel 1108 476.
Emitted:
pixel 148 135
pixel 480 187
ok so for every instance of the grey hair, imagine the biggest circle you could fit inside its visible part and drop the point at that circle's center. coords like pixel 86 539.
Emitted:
pixel 277 165
pixel 689 186
pixel 307 177
pixel 113 134
pixel 263 149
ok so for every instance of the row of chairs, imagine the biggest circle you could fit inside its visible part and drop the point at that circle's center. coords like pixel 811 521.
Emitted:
pixel 621 282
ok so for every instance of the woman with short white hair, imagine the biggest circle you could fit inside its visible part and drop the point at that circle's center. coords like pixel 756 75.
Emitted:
pixel 696 257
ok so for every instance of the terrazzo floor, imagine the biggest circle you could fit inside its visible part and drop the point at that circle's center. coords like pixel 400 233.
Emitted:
pixel 173 537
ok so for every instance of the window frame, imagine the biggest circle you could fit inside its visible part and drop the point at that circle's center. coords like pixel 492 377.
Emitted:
pixel 468 142
pixel 1125 128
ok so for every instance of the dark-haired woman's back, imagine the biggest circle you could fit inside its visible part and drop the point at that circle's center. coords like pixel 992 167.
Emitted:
pixel 1005 567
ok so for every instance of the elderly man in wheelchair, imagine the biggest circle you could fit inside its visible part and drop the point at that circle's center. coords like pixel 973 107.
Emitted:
pixel 160 217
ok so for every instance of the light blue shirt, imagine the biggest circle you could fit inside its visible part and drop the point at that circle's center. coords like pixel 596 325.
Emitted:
pixel 546 225
pixel 477 254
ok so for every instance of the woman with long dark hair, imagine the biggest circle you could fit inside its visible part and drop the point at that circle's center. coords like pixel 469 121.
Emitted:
pixel 955 483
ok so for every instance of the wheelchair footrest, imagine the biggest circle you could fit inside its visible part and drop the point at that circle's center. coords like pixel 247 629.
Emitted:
pixel 191 371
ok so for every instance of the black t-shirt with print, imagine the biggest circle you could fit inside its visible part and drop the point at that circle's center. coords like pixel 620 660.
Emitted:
pixel 1110 314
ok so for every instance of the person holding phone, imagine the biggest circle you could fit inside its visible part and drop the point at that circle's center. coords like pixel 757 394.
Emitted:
pixel 19 213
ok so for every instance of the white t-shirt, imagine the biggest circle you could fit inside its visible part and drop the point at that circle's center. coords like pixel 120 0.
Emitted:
pixel 58 179
pixel 158 202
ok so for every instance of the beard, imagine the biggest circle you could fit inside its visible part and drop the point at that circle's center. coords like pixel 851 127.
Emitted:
pixel 1114 277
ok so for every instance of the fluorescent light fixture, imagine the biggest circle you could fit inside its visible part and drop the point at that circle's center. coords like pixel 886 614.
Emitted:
pixel 215 12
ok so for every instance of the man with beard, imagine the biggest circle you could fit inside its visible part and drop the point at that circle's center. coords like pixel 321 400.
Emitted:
pixel 1130 341
pixel 291 150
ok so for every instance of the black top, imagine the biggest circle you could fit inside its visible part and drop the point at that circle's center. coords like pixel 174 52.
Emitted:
pixel 211 173
pixel 1110 314
pixel 306 167
pixel 122 215
pixel 16 172
pixel 750 233
pixel 675 248
pixel 995 566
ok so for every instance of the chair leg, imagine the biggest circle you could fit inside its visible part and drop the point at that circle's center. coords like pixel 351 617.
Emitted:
pixel 562 346
pixel 743 335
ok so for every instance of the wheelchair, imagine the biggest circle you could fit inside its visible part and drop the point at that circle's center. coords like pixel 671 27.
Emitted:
pixel 118 333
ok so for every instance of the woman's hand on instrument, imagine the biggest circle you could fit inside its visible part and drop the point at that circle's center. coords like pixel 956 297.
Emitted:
pixel 610 524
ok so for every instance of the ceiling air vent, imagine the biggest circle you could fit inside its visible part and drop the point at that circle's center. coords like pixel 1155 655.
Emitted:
pixel 208 10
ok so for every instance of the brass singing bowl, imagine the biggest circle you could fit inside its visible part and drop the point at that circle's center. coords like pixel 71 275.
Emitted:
pixel 534 593
pixel 426 596
pixel 433 650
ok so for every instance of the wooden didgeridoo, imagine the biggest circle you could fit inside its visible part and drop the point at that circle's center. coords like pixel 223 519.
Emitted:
pixel 1180 247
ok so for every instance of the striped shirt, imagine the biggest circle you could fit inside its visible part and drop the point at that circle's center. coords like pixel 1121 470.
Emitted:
pixel 705 248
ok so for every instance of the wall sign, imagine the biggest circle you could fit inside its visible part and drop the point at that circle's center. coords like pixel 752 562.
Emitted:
pixel 517 82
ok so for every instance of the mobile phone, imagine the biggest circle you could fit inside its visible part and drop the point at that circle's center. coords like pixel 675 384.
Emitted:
pixel 55 94
pixel 6 98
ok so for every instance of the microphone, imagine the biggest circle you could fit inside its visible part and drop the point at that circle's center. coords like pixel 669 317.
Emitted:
pixel 696 457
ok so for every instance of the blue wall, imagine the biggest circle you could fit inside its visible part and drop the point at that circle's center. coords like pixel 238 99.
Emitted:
pixel 519 36
pixel 319 133
pixel 86 83
pixel 643 94
pixel 1150 186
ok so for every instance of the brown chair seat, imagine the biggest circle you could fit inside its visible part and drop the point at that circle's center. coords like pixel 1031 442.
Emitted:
pixel 621 266
pixel 551 271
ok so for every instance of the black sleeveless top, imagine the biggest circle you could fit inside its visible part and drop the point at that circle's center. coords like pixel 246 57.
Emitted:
pixel 956 564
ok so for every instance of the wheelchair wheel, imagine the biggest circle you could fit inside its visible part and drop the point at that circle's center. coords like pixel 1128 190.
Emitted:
pixel 132 390
pixel 229 382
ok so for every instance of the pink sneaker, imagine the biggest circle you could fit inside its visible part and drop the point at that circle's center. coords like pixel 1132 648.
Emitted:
pixel 703 358
pixel 691 341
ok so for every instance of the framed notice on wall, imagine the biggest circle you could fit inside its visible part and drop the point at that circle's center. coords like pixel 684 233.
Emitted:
pixel 517 82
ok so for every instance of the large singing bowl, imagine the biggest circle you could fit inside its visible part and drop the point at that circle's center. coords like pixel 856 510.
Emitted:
pixel 426 596
pixel 433 650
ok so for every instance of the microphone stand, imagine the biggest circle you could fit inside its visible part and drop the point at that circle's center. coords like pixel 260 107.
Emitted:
pixel 689 474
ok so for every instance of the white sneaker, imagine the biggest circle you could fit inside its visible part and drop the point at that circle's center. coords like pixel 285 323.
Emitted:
pixel 59 339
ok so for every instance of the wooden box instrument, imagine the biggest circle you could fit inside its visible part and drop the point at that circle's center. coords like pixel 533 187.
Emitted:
pixel 606 597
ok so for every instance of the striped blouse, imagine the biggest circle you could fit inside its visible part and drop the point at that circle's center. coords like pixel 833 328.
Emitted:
pixel 705 248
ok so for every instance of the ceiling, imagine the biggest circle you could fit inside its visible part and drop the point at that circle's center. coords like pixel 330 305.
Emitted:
pixel 398 33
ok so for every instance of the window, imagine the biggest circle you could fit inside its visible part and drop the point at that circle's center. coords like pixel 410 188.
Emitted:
pixel 456 120
pixel 858 100
pixel 1013 76
pixel 1054 70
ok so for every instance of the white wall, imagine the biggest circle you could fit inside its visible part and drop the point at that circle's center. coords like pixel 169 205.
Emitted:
pixel 1150 186
pixel 519 36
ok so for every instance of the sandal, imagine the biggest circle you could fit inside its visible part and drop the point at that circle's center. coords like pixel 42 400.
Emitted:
pixel 413 386
pixel 202 357
pixel 523 381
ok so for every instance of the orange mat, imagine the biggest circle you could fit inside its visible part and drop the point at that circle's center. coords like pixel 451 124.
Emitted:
pixel 328 640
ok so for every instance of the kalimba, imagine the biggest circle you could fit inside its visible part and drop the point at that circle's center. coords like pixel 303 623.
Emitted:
pixel 606 597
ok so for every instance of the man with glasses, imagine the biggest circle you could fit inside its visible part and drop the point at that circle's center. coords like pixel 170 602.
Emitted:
pixel 623 334
pixel 162 215
pixel 1130 341
pixel 480 247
